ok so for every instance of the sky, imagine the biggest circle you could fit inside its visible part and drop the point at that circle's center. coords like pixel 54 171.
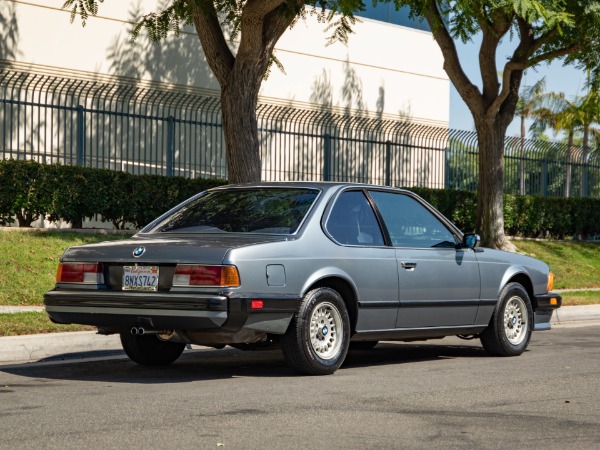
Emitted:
pixel 558 79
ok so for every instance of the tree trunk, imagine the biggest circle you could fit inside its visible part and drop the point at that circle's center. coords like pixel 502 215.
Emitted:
pixel 262 22
pixel 25 219
pixel 238 108
pixel 490 200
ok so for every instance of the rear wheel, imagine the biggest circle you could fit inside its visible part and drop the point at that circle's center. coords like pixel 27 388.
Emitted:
pixel 510 329
pixel 316 342
pixel 149 350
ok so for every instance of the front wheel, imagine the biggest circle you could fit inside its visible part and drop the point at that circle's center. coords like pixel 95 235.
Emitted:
pixel 316 342
pixel 149 350
pixel 509 331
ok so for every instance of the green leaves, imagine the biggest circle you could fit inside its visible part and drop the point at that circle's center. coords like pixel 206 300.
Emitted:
pixel 546 15
pixel 29 190
pixel 158 25
pixel 525 216
pixel 82 7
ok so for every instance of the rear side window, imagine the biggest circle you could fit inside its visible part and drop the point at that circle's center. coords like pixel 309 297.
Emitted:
pixel 352 221
pixel 409 223
pixel 252 210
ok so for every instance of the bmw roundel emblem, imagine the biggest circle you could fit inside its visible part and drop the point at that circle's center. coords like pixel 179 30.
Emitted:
pixel 139 252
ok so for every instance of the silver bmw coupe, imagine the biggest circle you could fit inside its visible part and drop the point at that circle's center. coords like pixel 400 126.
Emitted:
pixel 316 268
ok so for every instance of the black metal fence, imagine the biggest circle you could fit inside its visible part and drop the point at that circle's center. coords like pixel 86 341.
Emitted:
pixel 147 129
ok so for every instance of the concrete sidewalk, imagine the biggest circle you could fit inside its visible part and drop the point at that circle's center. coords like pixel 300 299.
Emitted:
pixel 30 348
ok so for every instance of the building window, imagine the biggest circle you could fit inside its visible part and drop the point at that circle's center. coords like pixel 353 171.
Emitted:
pixel 385 12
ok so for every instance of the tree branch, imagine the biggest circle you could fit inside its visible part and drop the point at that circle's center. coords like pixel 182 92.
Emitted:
pixel 217 52
pixel 254 25
pixel 467 90
pixel 549 56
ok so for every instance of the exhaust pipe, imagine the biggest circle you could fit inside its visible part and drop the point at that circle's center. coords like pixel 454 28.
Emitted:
pixel 140 331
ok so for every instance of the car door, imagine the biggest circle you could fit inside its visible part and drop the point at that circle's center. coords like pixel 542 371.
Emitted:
pixel 362 254
pixel 439 284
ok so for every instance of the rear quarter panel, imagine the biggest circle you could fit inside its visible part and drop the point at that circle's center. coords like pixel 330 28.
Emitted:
pixel 371 273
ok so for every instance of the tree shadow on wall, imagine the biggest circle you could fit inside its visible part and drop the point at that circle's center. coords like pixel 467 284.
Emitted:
pixel 358 138
pixel 176 59
pixel 178 62
pixel 9 32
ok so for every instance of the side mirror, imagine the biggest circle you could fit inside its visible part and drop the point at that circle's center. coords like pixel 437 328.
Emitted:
pixel 471 240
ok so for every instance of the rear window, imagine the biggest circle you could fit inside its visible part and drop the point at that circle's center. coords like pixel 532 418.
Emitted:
pixel 252 210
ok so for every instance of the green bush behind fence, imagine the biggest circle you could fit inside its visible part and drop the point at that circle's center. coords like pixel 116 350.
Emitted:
pixel 29 191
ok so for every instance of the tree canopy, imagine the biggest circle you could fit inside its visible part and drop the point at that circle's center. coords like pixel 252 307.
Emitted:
pixel 256 26
pixel 542 30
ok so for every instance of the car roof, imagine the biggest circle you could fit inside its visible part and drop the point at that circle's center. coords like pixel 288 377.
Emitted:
pixel 323 185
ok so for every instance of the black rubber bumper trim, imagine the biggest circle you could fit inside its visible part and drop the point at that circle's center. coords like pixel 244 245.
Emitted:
pixel 543 302
pixel 145 300
pixel 240 307
pixel 237 306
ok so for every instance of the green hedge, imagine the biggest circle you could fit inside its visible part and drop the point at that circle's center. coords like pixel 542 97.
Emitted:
pixel 525 216
pixel 29 190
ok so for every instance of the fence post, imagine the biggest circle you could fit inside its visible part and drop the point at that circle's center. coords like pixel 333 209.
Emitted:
pixel 544 179
pixel 170 144
pixel 326 157
pixel 80 158
pixel 388 163
pixel 446 168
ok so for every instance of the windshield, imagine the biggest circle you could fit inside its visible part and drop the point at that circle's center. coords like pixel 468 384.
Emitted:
pixel 252 210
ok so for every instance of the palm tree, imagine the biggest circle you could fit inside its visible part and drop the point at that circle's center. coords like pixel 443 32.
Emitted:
pixel 570 117
pixel 529 101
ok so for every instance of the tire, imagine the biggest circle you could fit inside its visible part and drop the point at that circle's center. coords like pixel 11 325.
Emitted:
pixel 317 340
pixel 362 345
pixel 510 328
pixel 149 350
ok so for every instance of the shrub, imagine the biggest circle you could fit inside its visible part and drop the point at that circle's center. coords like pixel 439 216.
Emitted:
pixel 526 216
pixel 25 192
pixel 29 190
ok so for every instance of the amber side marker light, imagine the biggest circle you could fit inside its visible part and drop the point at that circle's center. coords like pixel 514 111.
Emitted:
pixel 550 282
pixel 554 301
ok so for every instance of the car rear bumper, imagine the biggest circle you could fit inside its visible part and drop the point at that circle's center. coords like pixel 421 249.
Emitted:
pixel 115 311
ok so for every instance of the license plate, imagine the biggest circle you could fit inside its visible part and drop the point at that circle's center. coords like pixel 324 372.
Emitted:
pixel 140 278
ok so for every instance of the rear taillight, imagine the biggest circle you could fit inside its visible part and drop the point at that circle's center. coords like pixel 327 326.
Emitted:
pixel 80 273
pixel 202 275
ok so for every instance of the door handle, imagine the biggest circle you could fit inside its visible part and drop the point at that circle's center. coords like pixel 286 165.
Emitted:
pixel 409 265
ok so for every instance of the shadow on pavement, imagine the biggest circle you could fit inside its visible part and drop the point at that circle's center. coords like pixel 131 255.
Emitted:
pixel 208 364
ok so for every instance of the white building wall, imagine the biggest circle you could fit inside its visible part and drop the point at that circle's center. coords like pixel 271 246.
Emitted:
pixel 386 70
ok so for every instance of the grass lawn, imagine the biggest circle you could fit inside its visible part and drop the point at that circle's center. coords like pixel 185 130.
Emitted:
pixel 580 298
pixel 29 259
pixel 576 265
pixel 33 323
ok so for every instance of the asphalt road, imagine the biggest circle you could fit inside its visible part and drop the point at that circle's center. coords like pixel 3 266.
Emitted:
pixel 439 394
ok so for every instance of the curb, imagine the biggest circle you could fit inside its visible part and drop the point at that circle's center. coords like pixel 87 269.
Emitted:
pixel 30 348
pixel 34 347
pixel 20 309
pixel 570 314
